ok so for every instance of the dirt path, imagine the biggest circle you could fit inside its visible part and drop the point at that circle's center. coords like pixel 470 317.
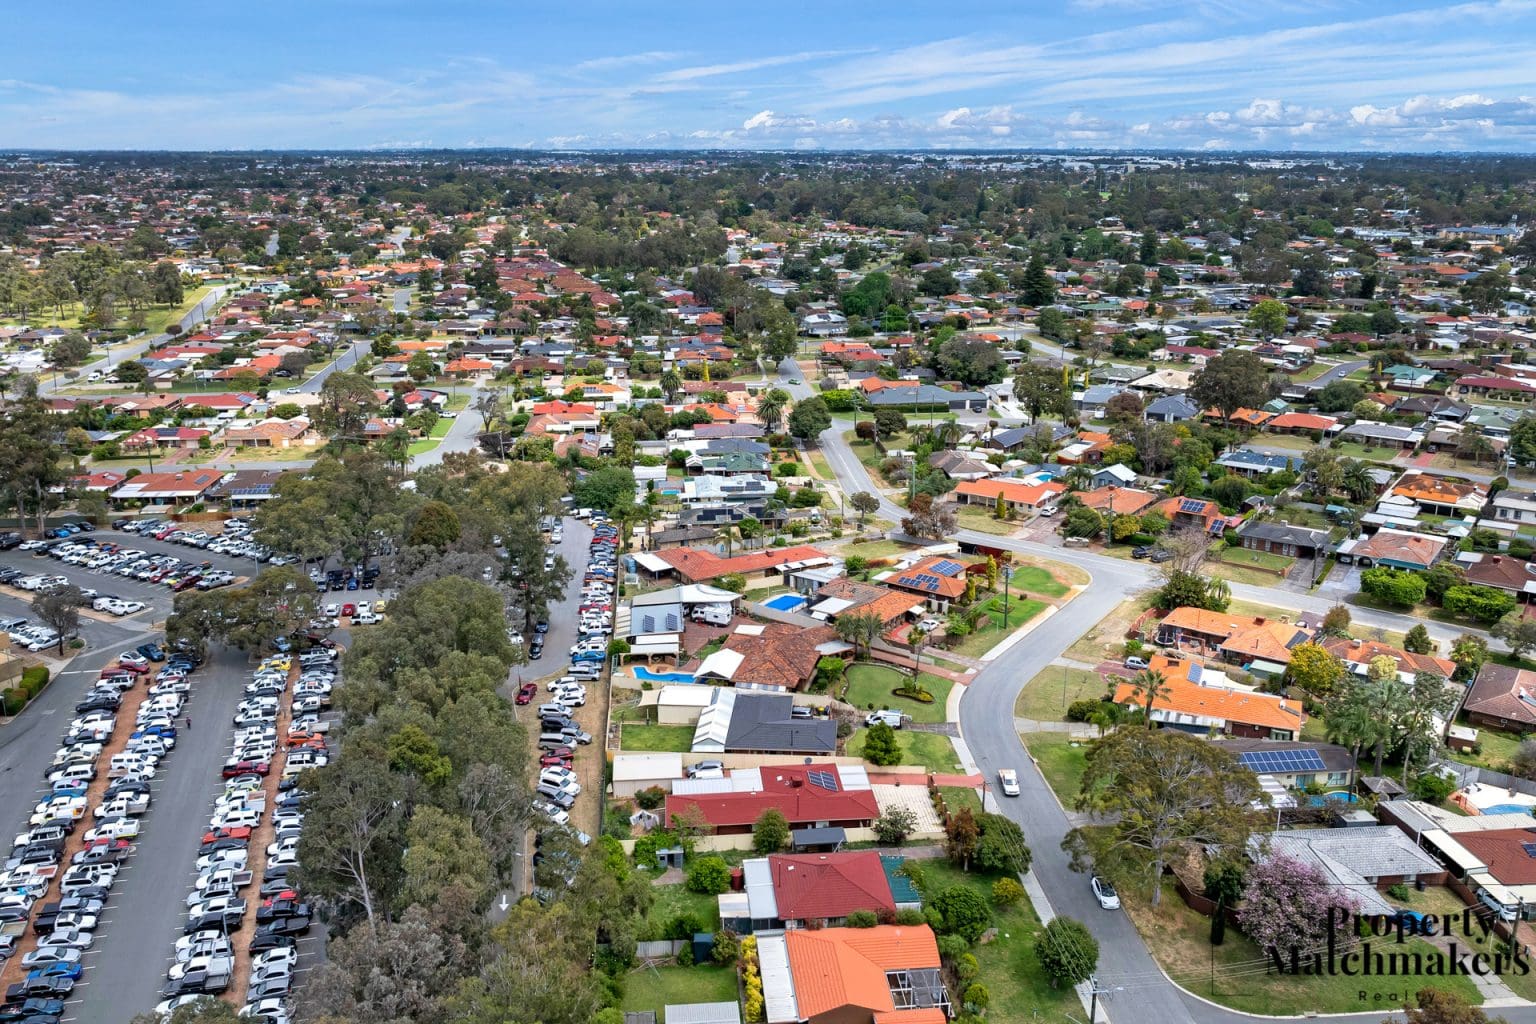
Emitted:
pixel 127 714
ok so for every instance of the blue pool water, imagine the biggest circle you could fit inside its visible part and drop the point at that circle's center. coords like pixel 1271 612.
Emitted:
pixel 1344 798
pixel 786 603
pixel 662 677
pixel 1507 809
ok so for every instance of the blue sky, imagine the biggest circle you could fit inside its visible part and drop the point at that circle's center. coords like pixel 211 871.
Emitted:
pixel 1390 75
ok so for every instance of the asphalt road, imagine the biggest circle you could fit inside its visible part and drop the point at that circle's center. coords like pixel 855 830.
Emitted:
pixel 1134 987
pixel 145 914
pixel 198 313
pixel 576 540
pixel 346 358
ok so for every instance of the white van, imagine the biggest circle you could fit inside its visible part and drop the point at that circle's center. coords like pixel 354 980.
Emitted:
pixel 714 614
pixel 124 764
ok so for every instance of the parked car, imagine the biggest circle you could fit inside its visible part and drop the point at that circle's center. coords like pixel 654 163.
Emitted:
pixel 1104 892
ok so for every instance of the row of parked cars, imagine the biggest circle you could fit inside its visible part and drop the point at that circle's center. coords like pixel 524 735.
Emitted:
pixel 204 961
pixel 109 558
pixel 66 926
pixel 559 733
pixel 235 538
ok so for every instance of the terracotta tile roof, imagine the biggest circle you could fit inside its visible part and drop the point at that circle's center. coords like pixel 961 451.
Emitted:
pixel 697 565
pixel 936 575
pixel 1438 490
pixel 1015 491
pixel 1119 500
pixel 1502 571
pixel 784 787
pixel 837 967
pixel 782 655
pixel 830 885
pixel 1401 547
pixel 1361 652
pixel 1503 692
pixel 1237 706
pixel 1503 850
pixel 1301 421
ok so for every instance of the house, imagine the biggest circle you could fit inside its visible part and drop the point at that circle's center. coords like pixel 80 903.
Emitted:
pixel 1441 496
pixel 1262 644
pixel 741 722
pixel 1088 448
pixel 1117 501
pixel 1171 409
pixel 961 467
pixel 773 655
pixel 1514 506
pixel 937 580
pixel 1117 475
pixel 890 974
pixel 1297 764
pixel 815 795
pixel 633 772
pixel 173 488
pixel 268 433
pixel 1092 403
pixel 1186 703
pixel 1283 539
pixel 1251 462
pixel 822 889
pixel 1357 656
pixel 698 565
pixel 1503 698
pixel 1396 549
pixel 1360 860
pixel 709 489
pixel 1384 435
pixel 1301 423
pixel 924 396
pixel 1503 572
pixel 1018 493
pixel 1193 513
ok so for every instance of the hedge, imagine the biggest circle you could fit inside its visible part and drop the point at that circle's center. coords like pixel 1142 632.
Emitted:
pixel 32 682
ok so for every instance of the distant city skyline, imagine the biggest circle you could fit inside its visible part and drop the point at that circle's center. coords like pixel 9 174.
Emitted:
pixel 1306 75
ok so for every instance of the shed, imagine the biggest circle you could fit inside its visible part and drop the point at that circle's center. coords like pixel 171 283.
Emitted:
pixel 701 1013
pixel 703 945
pixel 639 1017
pixel 671 857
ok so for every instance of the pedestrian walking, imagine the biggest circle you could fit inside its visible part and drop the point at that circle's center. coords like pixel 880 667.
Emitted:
pixel 188 720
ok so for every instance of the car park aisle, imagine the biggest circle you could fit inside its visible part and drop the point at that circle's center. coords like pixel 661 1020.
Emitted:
pixel 146 909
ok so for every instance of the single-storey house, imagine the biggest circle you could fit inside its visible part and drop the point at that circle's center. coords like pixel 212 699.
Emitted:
pixel 1282 539
pixel 1503 698
pixel 1396 549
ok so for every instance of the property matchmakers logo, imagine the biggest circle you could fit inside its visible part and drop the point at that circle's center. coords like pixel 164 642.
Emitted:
pixel 1384 945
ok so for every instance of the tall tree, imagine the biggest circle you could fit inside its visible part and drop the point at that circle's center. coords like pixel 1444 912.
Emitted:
pixel 1038 388
pixel 1234 380
pixel 1039 288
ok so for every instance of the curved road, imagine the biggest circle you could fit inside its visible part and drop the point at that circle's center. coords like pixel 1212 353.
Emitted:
pixel 1133 987
pixel 197 314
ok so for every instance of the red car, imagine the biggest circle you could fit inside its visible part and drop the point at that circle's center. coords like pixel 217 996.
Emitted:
pixel 236 832
pixel 563 753
pixel 246 768
pixel 348 610
pixel 526 693
pixel 550 761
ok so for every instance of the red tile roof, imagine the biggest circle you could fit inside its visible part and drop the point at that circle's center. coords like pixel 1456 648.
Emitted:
pixel 837 967
pixel 784 787
pixel 697 565
pixel 829 885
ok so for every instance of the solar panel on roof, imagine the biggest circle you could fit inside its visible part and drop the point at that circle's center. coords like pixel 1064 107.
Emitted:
pixel 1191 505
pixel 948 568
pixel 1305 760
pixel 1529 848
pixel 826 780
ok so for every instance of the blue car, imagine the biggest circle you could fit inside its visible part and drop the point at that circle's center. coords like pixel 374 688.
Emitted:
pixel 352 583
pixel 70 971
pixel 69 789
pixel 588 656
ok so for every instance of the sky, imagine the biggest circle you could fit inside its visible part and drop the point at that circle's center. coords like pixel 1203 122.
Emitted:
pixel 1317 75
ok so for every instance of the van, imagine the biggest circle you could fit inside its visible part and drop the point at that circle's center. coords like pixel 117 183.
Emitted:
pixel 123 764
pixel 890 718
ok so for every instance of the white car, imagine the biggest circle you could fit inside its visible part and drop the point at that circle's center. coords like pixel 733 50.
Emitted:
pixel 1104 892
pixel 1008 780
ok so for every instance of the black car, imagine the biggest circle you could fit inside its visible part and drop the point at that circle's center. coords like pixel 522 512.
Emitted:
pixel 1161 555
pixel 103 702
pixel 266 939
pixel 49 986
pixel 196 983
pixel 281 910
pixel 31 1009
pixel 9 539
pixel 283 926
pixel 219 921
pixel 1141 552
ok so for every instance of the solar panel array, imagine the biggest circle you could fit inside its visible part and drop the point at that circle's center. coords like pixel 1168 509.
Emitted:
pixel 948 568
pixel 1306 760
pixel 826 780
pixel 1191 505
pixel 922 581
pixel 1529 848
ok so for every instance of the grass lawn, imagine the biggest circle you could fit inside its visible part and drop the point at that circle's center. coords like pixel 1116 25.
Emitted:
pixel 1352 450
pixel 1035 580
pixel 956 797
pixel 672 900
pixel 1042 697
pixel 983 522
pixel 1313 372
pixel 1020 990
pixel 653 988
pixel 1060 762
pixel 658 738
pixel 1498 748
pixel 876 548
pixel 1259 559
pixel 1106 638
pixel 1179 938
pixel 1020 611
pixel 1440 900
pixel 872 684
pixel 931 749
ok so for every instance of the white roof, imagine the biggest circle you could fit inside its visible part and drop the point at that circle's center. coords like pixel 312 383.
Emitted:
pixel 685 695
pixel 701 1013
pixel 639 767
pixel 758 877
pixel 830 606
pixel 778 982
pixel 739 780
pixel 722 663
pixel 652 563
pixel 666 644
pixel 715 722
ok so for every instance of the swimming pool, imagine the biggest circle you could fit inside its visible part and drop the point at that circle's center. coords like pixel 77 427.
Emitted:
pixel 1327 798
pixel 786 603
pixel 1507 809
pixel 663 677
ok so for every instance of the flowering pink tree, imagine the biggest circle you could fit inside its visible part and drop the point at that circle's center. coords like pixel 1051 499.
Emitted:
pixel 1287 904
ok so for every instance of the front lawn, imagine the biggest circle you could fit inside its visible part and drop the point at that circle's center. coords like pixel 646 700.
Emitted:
pixel 932 750
pixel 1019 989
pixel 1020 611
pixel 1497 748
pixel 1237 976
pixel 677 738
pixel 1036 580
pixel 872 684
pixel 985 522
pixel 876 549
pixel 654 988
pixel 1046 697
pixel 1061 761
pixel 1258 559
pixel 672 900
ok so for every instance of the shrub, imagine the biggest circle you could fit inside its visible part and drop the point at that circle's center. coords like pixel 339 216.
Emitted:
pixel 916 693
pixel 895 825
pixel 15 699
pixel 910 916
pixel 964 912
pixel 684 926
pixel 862 919
pixel 976 996
pixel 1006 892
pixel 1398 892
pixel 685 955
pixel 708 875
pixel 770 832
pixel 651 797
pixel 726 949
pixel 966 967
pixel 952 947
pixel 1079 710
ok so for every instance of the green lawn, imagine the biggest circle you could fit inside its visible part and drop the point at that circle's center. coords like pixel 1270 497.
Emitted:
pixel 1020 611
pixel 1258 559
pixel 1352 450
pixel 653 988
pixel 930 749
pixel 1237 978
pixel 872 684
pixel 1046 697
pixel 1035 580
pixel 984 522
pixel 1021 993
pixel 956 797
pixel 877 549
pixel 1060 762
pixel 658 738
pixel 1498 748
pixel 672 900
pixel 439 431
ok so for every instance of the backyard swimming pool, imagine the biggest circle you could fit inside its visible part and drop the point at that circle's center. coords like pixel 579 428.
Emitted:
pixel 1327 798
pixel 786 603
pixel 662 677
